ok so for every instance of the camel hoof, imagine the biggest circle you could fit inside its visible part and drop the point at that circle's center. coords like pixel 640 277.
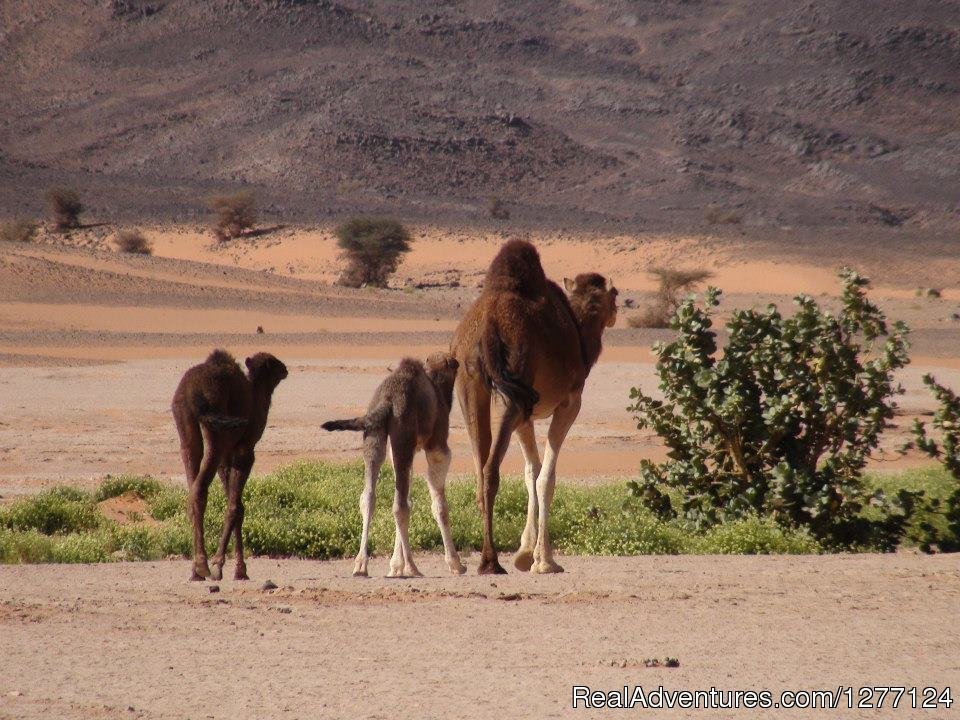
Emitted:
pixel 523 560
pixel 200 571
pixel 360 572
pixel 458 568
pixel 196 578
pixel 491 567
pixel 240 574
pixel 216 572
pixel 545 567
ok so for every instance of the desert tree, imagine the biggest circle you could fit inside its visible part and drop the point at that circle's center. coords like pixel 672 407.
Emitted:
pixel 65 207
pixel 672 285
pixel 235 213
pixel 372 248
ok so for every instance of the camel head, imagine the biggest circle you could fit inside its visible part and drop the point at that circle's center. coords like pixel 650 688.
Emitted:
pixel 591 297
pixel 442 371
pixel 266 370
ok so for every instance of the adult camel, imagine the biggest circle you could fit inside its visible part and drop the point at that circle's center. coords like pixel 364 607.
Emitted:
pixel 525 349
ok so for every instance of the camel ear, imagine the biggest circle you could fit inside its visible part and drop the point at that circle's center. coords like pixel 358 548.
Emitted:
pixel 569 284
pixel 249 363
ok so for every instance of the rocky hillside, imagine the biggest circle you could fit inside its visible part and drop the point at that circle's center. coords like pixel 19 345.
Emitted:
pixel 624 114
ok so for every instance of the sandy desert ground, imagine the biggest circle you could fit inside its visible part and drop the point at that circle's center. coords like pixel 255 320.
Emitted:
pixel 138 641
pixel 92 344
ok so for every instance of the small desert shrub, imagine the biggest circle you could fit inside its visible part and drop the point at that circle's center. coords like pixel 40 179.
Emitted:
pixel 133 241
pixel 21 230
pixel 235 213
pixel 672 284
pixel 718 215
pixel 372 248
pixel 498 209
pixel 65 206
pixel 782 422
pixel 652 316
pixel 57 511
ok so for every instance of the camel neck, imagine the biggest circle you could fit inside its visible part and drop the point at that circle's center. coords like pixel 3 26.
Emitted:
pixel 591 338
pixel 262 397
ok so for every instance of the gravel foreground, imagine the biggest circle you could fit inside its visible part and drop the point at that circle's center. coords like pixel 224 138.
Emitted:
pixel 138 640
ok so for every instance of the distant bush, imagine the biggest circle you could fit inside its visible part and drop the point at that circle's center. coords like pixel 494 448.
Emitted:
pixel 782 422
pixel 372 248
pixel 672 284
pixel 236 213
pixel 21 230
pixel 717 215
pixel 65 206
pixel 133 241
pixel 498 209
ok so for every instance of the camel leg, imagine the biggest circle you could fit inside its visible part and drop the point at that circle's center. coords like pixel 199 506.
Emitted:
pixel 560 424
pixel 475 404
pixel 216 562
pixel 402 448
pixel 198 504
pixel 503 421
pixel 438 463
pixel 531 469
pixel 191 447
pixel 238 481
pixel 233 478
pixel 374 452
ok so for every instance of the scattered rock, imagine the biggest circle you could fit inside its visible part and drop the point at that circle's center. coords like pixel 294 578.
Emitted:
pixel 214 588
pixel 268 585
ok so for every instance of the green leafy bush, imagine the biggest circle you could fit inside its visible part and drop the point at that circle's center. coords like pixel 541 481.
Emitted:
pixel 58 511
pixel 782 423
pixel 144 487
pixel 372 248
pixel 946 423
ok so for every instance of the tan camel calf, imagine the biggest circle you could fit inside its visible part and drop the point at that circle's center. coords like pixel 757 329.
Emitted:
pixel 411 409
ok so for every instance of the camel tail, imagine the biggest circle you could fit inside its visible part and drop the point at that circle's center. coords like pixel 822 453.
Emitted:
pixel 493 353
pixel 223 422
pixel 374 420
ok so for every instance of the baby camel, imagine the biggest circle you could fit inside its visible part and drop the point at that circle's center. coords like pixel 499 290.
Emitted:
pixel 221 414
pixel 411 408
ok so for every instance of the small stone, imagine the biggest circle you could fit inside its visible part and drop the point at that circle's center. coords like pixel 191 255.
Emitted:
pixel 14 693
pixel 285 609
pixel 214 588
pixel 268 585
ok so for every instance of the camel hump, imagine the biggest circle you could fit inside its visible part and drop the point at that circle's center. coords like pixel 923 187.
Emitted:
pixel 221 357
pixel 516 269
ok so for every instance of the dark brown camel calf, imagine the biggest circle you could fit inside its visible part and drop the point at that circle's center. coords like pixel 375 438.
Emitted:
pixel 221 414
pixel 411 409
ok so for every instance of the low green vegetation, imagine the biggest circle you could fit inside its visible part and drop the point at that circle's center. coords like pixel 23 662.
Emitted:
pixel 310 510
